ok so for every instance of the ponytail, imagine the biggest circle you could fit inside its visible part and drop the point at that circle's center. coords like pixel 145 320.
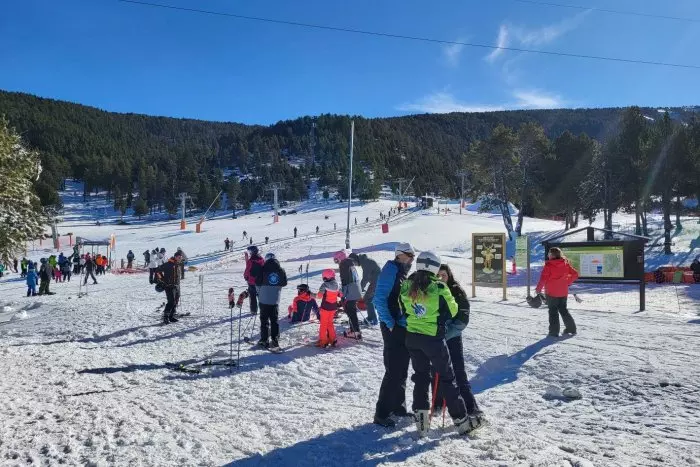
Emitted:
pixel 419 284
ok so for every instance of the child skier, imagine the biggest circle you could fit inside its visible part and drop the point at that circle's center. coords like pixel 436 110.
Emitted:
pixel 302 306
pixel 328 293
pixel 31 280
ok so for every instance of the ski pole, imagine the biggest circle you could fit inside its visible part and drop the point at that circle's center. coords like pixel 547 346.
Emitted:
pixel 240 313
pixel 444 406
pixel 435 389
pixel 230 348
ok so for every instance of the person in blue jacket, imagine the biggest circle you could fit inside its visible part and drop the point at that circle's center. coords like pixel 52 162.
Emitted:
pixel 392 394
pixel 31 280
pixel 453 336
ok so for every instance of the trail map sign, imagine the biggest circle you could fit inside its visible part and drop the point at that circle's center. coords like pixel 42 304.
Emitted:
pixel 597 262
pixel 488 261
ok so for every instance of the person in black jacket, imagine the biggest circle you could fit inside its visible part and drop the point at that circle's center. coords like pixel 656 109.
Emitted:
pixel 89 269
pixel 453 336
pixel 269 280
pixel 370 274
pixel 44 277
pixel 168 275
pixel 695 267
pixel 130 259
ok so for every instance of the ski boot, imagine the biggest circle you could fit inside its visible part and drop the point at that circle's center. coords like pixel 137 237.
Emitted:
pixel 263 344
pixel 385 422
pixel 422 418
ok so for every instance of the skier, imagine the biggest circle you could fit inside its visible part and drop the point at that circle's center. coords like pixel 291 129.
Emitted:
pixel 328 294
pixel 44 277
pixel 89 269
pixel 152 266
pixel 227 244
pixel 267 240
pixel 253 262
pixel 695 267
pixel 295 232
pixel 350 288
pixel 14 265
pixel 24 265
pixel 316 229
pixel 335 226
pixel 57 273
pixel 556 278
pixel 183 262
pixel 251 241
pixel 370 274
pixel 161 257
pixel 52 262
pixel 428 304
pixel 146 258
pixel 245 235
pixel 270 279
pixel 31 279
pixel 168 275
pixel 130 259
pixel 65 269
pixel 453 337
pixel 302 306
pixel 392 394
pixel 356 221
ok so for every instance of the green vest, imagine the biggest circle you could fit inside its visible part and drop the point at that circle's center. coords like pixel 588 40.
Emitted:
pixel 424 315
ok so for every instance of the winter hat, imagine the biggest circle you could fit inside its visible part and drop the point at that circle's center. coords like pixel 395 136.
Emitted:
pixel 328 275
pixel 355 257
pixel 404 248
pixel 270 256
pixel 339 256
pixel 253 249
pixel 178 254
pixel 428 261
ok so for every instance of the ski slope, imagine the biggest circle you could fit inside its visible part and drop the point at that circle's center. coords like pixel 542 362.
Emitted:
pixel 85 381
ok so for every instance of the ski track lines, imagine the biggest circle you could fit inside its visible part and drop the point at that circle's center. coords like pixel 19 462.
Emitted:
pixel 84 382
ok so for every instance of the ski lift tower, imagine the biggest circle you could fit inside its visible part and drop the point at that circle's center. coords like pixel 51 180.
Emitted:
pixel 274 188
pixel 183 200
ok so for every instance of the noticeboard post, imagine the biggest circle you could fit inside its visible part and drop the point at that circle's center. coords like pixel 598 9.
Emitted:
pixel 488 261
pixel 522 256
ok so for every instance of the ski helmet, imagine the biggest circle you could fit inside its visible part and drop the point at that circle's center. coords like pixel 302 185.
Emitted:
pixel 328 275
pixel 303 288
pixel 428 261
pixel 339 256
pixel 253 249
pixel 270 256
pixel 162 250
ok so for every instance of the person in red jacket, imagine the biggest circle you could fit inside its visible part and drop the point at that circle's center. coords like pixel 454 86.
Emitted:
pixel 253 264
pixel 556 278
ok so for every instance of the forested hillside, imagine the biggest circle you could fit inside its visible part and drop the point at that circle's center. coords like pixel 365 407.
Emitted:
pixel 149 160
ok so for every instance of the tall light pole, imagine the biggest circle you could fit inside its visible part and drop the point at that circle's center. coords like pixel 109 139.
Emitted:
pixel 461 201
pixel 352 141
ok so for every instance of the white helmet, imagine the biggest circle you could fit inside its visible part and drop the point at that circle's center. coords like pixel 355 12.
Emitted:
pixel 428 261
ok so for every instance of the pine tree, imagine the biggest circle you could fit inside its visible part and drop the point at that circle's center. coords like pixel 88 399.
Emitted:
pixel 21 217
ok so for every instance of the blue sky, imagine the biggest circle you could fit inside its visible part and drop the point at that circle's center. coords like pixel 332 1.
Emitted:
pixel 131 58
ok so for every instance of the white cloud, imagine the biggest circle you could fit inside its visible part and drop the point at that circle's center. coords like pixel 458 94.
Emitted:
pixel 526 37
pixel 444 102
pixel 452 53
pixel 537 100
pixel 502 42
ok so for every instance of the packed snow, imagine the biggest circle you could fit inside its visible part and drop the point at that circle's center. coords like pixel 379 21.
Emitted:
pixel 86 381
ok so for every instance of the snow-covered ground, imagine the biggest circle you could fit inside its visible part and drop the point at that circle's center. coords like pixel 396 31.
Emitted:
pixel 85 382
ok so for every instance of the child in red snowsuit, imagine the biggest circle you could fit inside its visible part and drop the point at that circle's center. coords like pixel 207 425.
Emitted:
pixel 329 292
pixel 302 306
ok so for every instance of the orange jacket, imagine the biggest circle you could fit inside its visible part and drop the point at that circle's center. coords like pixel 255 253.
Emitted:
pixel 556 278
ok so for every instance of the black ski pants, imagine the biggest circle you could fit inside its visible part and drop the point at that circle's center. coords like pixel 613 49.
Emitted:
pixel 269 327
pixel 253 296
pixel 151 275
pixel 171 295
pixel 350 308
pixel 431 352
pixel 392 394
pixel 557 306
pixel 456 349
pixel 89 274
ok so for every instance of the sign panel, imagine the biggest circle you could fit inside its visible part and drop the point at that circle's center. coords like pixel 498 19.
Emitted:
pixel 597 262
pixel 488 260
pixel 522 245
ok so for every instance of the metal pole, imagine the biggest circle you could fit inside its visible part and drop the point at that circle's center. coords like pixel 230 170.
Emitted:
pixel 352 141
